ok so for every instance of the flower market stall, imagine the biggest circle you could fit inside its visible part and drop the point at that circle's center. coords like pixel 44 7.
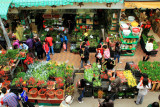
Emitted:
pixel 98 83
pixel 46 82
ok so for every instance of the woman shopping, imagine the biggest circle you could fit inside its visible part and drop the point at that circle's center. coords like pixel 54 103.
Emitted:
pixel 149 48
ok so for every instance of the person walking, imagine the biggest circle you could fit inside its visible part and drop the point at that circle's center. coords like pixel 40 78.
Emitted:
pixel 149 48
pixel 29 43
pixel 46 49
pixel 99 54
pixel 65 40
pixel 9 99
pixel 117 52
pixel 15 43
pixel 39 49
pixel 49 40
pixel 82 84
pixel 143 87
pixel 84 53
pixel 106 53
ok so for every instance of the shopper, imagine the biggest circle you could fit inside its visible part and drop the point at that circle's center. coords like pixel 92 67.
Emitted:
pixel 116 83
pixel 66 102
pixel 149 48
pixel 24 98
pixel 15 43
pixel 9 99
pixel 23 46
pixel 29 43
pixel 82 87
pixel 99 54
pixel 84 53
pixel 61 37
pixel 49 40
pixel 39 49
pixel 65 39
pixel 143 87
pixel 155 104
pixel 106 53
pixel 109 64
pixel 87 42
pixel 46 49
pixel 101 41
pixel 107 102
pixel 117 52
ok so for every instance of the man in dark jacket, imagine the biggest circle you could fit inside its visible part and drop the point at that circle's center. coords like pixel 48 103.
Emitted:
pixel 29 43
pixel 84 53
pixel 39 49
pixel 82 86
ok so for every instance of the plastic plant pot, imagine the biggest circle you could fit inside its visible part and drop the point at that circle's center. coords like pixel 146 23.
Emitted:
pixel 33 92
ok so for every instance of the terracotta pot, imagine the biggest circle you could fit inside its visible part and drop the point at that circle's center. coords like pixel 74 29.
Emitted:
pixel 33 92
pixel 6 84
pixel 59 93
pixel 51 93
pixel 42 95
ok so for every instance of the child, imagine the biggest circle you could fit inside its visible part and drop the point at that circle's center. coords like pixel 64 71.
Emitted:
pixel 46 49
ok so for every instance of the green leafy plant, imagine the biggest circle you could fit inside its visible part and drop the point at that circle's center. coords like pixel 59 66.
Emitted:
pixel 3 60
pixel 11 54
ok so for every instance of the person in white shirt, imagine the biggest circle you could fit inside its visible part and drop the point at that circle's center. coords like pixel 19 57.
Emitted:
pixel 149 48
pixel 23 46
pixel 143 87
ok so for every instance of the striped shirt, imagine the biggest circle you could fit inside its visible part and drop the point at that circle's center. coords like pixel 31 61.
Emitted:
pixel 10 99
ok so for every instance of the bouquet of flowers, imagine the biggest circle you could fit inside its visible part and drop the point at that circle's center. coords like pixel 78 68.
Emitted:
pixel 28 60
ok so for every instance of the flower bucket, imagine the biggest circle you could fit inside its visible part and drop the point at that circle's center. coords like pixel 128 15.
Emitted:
pixel 59 93
pixel 33 92
pixel 51 93
pixel 42 95
pixel 6 84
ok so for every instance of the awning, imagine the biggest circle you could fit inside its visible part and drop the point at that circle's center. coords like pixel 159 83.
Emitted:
pixel 36 3
pixel 4 5
pixel 150 5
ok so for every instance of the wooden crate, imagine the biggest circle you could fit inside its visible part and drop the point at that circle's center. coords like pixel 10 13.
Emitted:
pixel 155 86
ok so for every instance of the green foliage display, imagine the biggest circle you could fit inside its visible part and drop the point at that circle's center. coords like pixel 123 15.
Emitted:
pixel 11 54
pixel 150 68
pixel 3 60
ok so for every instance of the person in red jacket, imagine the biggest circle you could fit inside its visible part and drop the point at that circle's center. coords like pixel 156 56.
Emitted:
pixel 46 49
pixel 99 54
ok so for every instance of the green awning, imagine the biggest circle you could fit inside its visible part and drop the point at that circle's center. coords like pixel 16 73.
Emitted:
pixel 36 3
pixel 4 5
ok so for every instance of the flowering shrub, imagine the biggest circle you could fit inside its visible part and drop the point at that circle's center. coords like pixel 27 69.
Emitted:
pixel 2 73
pixel 28 60
pixel 20 82
pixel 41 83
pixel 32 82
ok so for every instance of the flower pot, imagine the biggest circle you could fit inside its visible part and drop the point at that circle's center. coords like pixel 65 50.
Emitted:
pixel 59 93
pixel 42 95
pixel 51 93
pixel 33 92
pixel 6 84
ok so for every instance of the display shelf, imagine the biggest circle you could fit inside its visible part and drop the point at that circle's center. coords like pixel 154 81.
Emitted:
pixel 128 54
pixel 83 24
pixel 128 43
pixel 130 35
pixel 129 49
pixel 81 17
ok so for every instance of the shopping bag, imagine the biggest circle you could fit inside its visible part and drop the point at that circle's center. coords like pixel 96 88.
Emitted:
pixel 64 46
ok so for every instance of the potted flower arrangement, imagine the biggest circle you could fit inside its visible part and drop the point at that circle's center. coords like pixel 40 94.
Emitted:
pixel 51 92
pixel 32 83
pixel 6 83
pixel 20 82
pixel 69 90
pixel 59 93
pixel 1 75
pixel 59 82
pixel 28 60
pixel 42 91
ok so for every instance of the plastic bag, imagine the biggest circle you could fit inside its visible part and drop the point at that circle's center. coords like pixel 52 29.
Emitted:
pixel 64 46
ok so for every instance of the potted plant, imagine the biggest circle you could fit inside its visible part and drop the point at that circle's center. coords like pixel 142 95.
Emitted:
pixel 51 93
pixel 42 91
pixel 33 92
pixel 1 75
pixel 32 82
pixel 28 61
pixel 20 82
pixel 59 82
pixel 3 61
pixel 59 93
pixel 6 84
pixel 69 90
pixel 50 84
